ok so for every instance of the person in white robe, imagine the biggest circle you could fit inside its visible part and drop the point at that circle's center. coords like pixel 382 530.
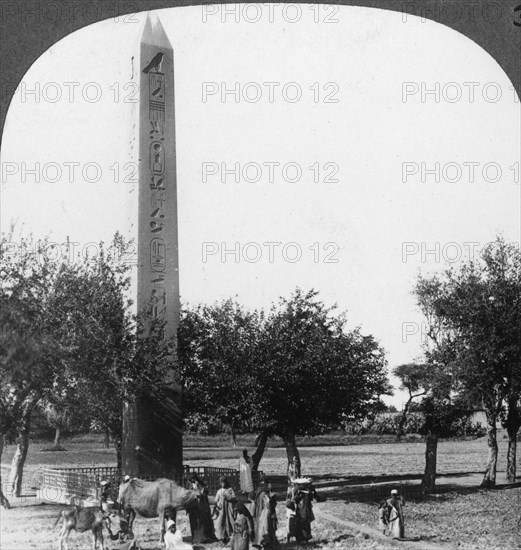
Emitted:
pixel 174 537
pixel 245 472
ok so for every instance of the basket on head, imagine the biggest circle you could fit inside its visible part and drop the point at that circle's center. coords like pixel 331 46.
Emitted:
pixel 302 482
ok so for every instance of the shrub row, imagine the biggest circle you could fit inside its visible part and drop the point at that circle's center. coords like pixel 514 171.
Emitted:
pixel 388 425
pixel 206 424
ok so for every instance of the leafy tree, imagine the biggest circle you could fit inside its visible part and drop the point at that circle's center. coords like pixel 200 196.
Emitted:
pixel 60 419
pixel 476 309
pixel 216 351
pixel 114 357
pixel 68 339
pixel 439 413
pixel 92 314
pixel 296 371
pixel 439 409
pixel 67 412
pixel 412 379
pixel 29 352
pixel 311 372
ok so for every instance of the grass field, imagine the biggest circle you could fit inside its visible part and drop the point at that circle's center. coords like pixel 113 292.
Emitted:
pixel 352 477
pixel 358 458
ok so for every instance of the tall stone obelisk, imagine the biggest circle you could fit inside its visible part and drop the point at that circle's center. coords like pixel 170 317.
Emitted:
pixel 152 435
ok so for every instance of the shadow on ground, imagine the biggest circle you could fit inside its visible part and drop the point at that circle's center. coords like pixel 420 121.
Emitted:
pixel 412 492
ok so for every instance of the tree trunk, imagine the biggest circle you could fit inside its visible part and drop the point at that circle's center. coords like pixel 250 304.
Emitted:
pixel 18 462
pixel 431 453
pixel 106 441
pixel 57 437
pixel 117 444
pixel 234 436
pixel 403 419
pixel 293 455
pixel 512 424
pixel 511 456
pixel 489 479
pixel 3 501
pixel 260 442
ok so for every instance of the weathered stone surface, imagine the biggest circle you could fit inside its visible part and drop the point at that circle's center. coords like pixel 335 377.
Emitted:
pixel 152 438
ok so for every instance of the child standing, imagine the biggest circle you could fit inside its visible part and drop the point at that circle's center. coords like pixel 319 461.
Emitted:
pixel 291 520
pixel 383 517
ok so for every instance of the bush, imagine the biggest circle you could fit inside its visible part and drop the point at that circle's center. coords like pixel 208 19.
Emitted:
pixel 465 427
pixel 203 424
pixel 384 425
pixel 354 427
pixel 388 425
pixel 414 423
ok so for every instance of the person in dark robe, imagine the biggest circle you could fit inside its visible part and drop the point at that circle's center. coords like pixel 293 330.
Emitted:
pixel 105 500
pixel 291 520
pixel 304 510
pixel 201 524
pixel 124 537
pixel 243 528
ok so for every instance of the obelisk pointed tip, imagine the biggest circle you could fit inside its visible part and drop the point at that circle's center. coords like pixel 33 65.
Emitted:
pixel 154 33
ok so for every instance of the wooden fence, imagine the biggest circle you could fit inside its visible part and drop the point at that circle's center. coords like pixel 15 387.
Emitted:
pixel 82 485
pixel 68 487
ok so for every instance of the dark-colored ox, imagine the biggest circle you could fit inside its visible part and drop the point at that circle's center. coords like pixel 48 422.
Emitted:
pixel 150 498
pixel 81 520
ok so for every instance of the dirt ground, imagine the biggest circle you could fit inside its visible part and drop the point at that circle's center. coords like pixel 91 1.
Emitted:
pixel 457 517
pixel 30 527
pixel 353 479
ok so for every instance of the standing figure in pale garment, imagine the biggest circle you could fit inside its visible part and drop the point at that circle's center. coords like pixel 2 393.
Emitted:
pixel 223 517
pixel 245 472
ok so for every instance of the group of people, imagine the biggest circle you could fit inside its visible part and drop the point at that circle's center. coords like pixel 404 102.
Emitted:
pixel 250 516
pixel 255 519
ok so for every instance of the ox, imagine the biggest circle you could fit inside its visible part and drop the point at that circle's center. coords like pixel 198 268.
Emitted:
pixel 150 498
pixel 81 520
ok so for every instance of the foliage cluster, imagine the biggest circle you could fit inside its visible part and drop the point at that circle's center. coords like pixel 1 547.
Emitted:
pixel 388 425
pixel 473 350
pixel 296 370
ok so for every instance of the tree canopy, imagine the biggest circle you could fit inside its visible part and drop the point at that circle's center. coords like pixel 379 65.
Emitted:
pixel 70 341
pixel 294 371
pixel 475 320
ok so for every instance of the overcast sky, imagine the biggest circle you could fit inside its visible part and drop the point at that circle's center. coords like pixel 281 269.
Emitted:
pixel 367 142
